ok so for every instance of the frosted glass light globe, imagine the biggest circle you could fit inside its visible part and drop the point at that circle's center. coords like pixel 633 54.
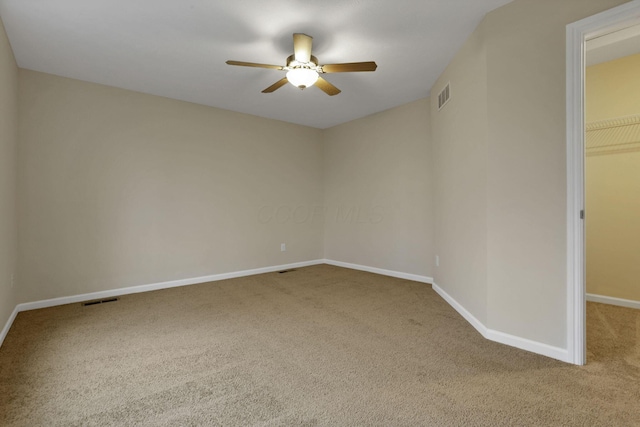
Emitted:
pixel 302 77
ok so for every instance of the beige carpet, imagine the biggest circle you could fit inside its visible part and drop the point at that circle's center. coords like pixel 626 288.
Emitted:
pixel 318 346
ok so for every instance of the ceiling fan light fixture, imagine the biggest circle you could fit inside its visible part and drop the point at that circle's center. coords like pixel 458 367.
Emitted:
pixel 302 77
pixel 303 69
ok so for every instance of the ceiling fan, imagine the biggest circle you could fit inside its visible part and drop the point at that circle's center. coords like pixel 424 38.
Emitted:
pixel 303 70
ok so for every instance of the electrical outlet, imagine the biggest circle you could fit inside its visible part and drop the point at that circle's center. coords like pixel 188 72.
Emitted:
pixel 283 247
pixel 437 261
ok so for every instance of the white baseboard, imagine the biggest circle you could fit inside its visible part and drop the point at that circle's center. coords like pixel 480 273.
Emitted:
pixel 162 285
pixel 461 310
pixel 7 325
pixel 391 273
pixel 613 301
pixel 145 288
pixel 503 338
pixel 522 343
pixel 543 349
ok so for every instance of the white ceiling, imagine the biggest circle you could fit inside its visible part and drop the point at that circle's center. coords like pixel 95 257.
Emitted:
pixel 178 48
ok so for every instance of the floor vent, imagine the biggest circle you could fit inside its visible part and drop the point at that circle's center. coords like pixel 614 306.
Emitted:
pixel 99 301
pixel 443 97
pixel 286 271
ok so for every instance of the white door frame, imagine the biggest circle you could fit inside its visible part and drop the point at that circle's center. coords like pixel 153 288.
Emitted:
pixel 578 33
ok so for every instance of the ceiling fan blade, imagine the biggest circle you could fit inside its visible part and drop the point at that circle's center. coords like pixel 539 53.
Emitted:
pixel 327 87
pixel 349 67
pixel 302 47
pixel 253 64
pixel 276 85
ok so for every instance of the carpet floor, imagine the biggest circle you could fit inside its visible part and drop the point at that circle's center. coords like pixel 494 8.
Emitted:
pixel 319 346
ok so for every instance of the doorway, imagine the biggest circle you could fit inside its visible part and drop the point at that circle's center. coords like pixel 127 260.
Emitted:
pixel 578 34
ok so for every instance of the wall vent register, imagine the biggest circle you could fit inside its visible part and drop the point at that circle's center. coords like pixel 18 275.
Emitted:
pixel 444 96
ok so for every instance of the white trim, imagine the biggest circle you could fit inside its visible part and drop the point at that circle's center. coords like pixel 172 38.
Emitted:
pixel 145 288
pixel 192 281
pixel 497 336
pixel 460 309
pixel 603 299
pixel 501 337
pixel 553 352
pixel 576 321
pixel 157 286
pixel 577 33
pixel 7 325
pixel 391 273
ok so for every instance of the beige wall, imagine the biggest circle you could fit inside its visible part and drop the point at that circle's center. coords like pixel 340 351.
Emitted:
pixel 118 188
pixel 459 134
pixel 613 225
pixel 613 89
pixel 613 186
pixel 378 201
pixel 8 174
pixel 526 179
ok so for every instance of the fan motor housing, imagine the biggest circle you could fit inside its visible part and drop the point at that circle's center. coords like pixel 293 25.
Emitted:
pixel 292 58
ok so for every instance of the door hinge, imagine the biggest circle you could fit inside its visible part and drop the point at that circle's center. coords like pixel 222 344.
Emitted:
pixel 582 214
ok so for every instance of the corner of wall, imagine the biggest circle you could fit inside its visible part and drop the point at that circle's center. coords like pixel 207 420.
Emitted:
pixel 378 200
pixel 459 137
pixel 8 180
